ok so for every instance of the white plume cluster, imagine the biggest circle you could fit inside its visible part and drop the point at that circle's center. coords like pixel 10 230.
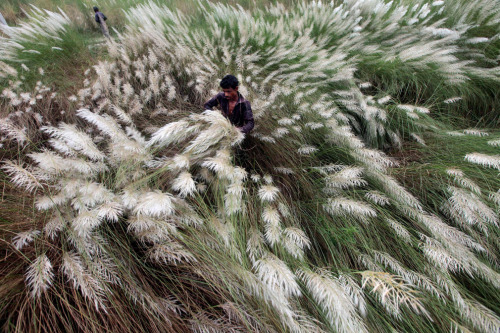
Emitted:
pixel 145 159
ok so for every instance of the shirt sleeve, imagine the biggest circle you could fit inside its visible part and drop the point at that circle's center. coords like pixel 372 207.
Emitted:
pixel 214 101
pixel 97 18
pixel 249 123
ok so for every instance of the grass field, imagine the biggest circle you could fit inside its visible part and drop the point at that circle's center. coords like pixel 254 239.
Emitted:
pixel 367 198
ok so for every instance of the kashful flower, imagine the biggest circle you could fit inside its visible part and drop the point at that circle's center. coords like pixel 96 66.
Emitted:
pixel 268 193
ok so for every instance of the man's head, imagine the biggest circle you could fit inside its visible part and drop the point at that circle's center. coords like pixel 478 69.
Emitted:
pixel 229 85
pixel 96 9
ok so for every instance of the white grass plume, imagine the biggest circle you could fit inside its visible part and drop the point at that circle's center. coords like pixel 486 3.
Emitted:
pixel 172 133
pixel 221 163
pixel 373 159
pixel 354 291
pixel 105 123
pixel 393 293
pixel 272 227
pixel 452 100
pixel 21 176
pixel 465 182
pixel 155 204
pixel 180 162
pixel 492 161
pixel 347 177
pixel 268 193
pixel 400 230
pixel 233 199
pixel 443 259
pixel 307 150
pixel 495 143
pixel 90 194
pixel 81 279
pixel 255 245
pixel 476 132
pixel 170 252
pixel 284 170
pixel 418 139
pixel 268 179
pixel 467 208
pixel 22 239
pixel 349 207
pixel 384 100
pixel 377 198
pixel 447 233
pixel 295 241
pixel 410 276
pixel 495 197
pixel 13 132
pixel 54 226
pixel 481 316
pixel 53 164
pixel 276 275
pixel 184 184
pixel 85 222
pixel 397 192
pixel 39 275
pixel 110 211
pixel 50 201
pixel 455 133
pixel 39 27
pixel 151 230
pixel 220 128
pixel 328 292
pixel 76 140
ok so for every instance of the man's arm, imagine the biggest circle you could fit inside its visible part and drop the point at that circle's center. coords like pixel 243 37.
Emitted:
pixel 249 123
pixel 97 18
pixel 214 101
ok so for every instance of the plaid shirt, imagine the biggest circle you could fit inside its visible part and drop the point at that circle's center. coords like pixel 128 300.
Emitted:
pixel 99 16
pixel 242 116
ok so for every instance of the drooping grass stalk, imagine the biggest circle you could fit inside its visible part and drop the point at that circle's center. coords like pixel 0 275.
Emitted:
pixel 356 206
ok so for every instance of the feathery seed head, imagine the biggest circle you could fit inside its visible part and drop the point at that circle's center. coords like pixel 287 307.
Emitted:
pixel 39 275
pixel 24 238
pixel 155 204
pixel 268 193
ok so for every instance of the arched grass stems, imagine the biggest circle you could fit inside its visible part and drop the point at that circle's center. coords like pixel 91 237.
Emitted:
pixel 148 202
pixel 62 307
pixel 46 47
pixel 451 171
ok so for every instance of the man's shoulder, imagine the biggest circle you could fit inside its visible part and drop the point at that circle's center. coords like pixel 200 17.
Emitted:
pixel 243 100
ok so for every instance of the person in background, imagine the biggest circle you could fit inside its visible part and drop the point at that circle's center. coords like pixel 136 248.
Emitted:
pixel 101 18
pixel 233 105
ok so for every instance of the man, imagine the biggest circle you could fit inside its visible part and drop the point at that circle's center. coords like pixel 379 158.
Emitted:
pixel 100 18
pixel 233 105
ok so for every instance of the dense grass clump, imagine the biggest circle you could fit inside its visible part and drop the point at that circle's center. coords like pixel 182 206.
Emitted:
pixel 366 198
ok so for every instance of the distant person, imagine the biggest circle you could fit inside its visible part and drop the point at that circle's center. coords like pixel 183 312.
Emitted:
pixel 233 105
pixel 2 20
pixel 101 18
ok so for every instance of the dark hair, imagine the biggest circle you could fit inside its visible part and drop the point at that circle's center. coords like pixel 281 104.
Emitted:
pixel 229 81
pixel 96 9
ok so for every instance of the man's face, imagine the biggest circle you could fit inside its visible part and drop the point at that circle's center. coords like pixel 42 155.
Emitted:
pixel 230 93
